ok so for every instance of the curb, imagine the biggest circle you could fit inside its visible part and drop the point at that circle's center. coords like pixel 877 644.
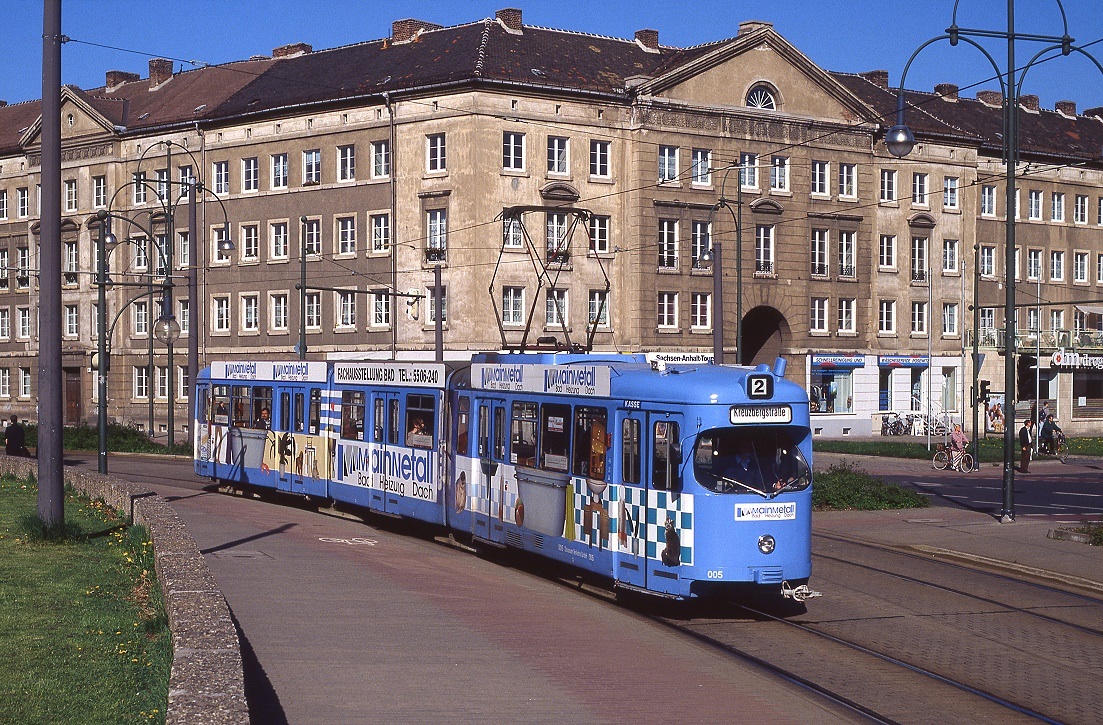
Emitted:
pixel 1066 535
pixel 1068 579
pixel 207 679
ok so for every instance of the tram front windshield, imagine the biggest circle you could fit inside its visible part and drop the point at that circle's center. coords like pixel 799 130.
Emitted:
pixel 764 461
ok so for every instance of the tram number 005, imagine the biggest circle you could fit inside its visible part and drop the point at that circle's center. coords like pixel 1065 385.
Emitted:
pixel 715 574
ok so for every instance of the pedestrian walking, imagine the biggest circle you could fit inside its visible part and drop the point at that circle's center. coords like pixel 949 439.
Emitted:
pixel 15 438
pixel 1026 440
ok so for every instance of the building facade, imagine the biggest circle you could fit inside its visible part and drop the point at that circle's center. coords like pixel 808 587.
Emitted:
pixel 571 190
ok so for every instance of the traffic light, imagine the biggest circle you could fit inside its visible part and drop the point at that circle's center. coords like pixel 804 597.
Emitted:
pixel 985 390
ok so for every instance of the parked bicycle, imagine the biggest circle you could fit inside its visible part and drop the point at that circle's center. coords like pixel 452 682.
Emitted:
pixel 943 459
pixel 894 424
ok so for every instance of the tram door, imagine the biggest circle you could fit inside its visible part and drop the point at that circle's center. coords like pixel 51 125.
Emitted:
pixel 486 488
pixel 664 482
pixel 204 448
pixel 631 549
pixel 385 420
pixel 288 427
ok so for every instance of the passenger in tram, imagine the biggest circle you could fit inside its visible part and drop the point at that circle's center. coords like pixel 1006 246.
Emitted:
pixel 264 420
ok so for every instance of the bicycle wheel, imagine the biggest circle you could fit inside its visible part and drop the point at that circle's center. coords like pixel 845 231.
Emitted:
pixel 1062 451
pixel 941 460
pixel 968 465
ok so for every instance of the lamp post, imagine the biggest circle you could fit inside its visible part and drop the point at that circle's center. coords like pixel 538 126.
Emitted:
pixel 900 140
pixel 302 287
pixel 715 255
pixel 101 365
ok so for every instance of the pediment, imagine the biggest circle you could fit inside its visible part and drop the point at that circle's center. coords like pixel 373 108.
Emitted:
pixel 766 206
pixel 921 220
pixel 760 59
pixel 83 119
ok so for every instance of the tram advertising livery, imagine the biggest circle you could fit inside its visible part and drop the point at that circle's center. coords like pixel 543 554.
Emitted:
pixel 680 480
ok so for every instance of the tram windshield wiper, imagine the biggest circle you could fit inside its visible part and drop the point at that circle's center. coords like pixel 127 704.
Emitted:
pixel 742 485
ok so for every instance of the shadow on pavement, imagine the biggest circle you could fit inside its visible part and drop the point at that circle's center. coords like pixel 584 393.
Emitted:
pixel 264 703
pixel 255 537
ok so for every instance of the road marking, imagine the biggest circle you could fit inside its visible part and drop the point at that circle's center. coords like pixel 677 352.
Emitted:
pixel 351 542
pixel 927 483
pixel 1071 493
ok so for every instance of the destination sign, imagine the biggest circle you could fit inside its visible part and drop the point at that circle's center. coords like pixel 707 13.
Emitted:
pixel 742 414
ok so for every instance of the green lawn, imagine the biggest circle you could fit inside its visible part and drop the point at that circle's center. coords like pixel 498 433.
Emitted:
pixel 991 449
pixel 83 635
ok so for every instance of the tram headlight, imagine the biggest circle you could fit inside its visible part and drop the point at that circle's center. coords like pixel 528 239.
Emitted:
pixel 766 544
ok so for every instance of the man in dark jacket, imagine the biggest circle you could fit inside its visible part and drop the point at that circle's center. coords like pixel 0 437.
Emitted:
pixel 1026 441
pixel 15 439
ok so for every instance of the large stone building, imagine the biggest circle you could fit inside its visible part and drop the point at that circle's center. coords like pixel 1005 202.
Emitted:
pixel 621 162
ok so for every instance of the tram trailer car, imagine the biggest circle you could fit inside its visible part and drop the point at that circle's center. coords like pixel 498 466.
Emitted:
pixel 677 480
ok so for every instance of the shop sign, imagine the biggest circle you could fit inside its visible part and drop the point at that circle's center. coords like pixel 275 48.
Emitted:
pixel 903 361
pixel 838 361
pixel 1076 360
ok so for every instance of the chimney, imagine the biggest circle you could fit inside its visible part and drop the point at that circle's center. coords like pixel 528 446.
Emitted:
pixel 407 29
pixel 879 78
pixel 510 18
pixel 990 98
pixel 291 50
pixel 116 78
pixel 1029 102
pixel 1097 112
pixel 160 71
pixel 3 103
pixel 1066 107
pixel 749 26
pixel 648 39
pixel 947 91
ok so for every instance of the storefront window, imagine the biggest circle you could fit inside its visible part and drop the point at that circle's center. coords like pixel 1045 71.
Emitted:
pixel 832 391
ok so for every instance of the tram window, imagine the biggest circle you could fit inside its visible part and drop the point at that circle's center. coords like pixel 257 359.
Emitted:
pixel 315 410
pixel 555 437
pixel 241 405
pixel 500 433
pixel 736 460
pixel 484 430
pixel 352 414
pixel 298 414
pixel 463 424
pixel 392 422
pixel 262 407
pixel 590 442
pixel 377 420
pixel 421 411
pixel 202 404
pixel 630 450
pixel 285 411
pixel 668 456
pixel 523 434
pixel 221 404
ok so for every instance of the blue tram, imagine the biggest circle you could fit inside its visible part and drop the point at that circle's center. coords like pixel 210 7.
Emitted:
pixel 678 480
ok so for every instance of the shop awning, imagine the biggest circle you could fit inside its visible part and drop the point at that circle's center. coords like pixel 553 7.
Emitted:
pixel 1091 309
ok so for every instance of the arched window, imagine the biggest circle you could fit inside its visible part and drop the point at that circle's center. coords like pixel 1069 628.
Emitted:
pixel 762 96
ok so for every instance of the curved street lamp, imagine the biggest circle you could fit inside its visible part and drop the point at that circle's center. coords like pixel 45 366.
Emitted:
pixel 900 140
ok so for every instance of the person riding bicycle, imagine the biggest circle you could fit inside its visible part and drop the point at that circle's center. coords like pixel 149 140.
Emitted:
pixel 1049 432
pixel 958 442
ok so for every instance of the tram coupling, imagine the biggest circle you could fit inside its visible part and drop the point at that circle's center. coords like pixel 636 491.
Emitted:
pixel 798 594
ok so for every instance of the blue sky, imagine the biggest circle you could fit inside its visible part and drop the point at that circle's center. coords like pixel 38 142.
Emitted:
pixel 840 35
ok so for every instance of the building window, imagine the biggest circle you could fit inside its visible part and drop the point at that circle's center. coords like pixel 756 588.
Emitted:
pixel 162 382
pixel 1057 211
pixel 438 230
pixel 949 192
pixel 24 382
pixel 436 159
pixel 764 249
pixel 312 237
pixel 668 310
pixel 558 155
pixel 820 172
pixel 381 308
pixel 314 310
pixel 846 255
pixel 221 173
pixel 70 195
pixel 886 254
pixel 72 262
pixel 1056 320
pixel 700 311
pixel 250 174
pixel 513 305
pixel 668 244
pixel 700 242
pixel 278 239
pixel 4 203
pixel 949 318
pixel 346 309
pixel 1057 266
pixel 779 173
pixel 919 318
pixel 888 185
pixel 187 181
pixel 1033 264
pixel 819 253
pixel 919 259
pixel 556 310
pixel 1080 211
pixel 381 159
pixel 919 189
pixel 599 159
pixel 599 308
pixel 72 321
pixel 818 317
pixel 250 313
pixel 433 305
pixel 950 255
pixel 513 238
pixel 380 233
pixel 139 259
pixel 1034 211
pixel 141 317
pixel 599 234
pixel 5 382
pixel 846 314
pixel 24 202
pixel 312 167
pixel 141 382
pixel 183 315
pixel 4 270
pixel 761 97
pixel 250 243
pixel 22 267
pixel 23 322
pixel 513 151
pixel 848 181
pixel 702 167
pixel 220 317
pixel 138 179
pixel 346 163
pixel 5 323
pixel 346 235
pixel 886 316
pixel 668 163
pixel 279 171
pixel 987 261
pixel 748 170
pixel 1080 267
pixel 988 201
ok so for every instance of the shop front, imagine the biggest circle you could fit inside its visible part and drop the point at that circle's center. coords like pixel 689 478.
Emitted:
pixel 1080 390
pixel 836 387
